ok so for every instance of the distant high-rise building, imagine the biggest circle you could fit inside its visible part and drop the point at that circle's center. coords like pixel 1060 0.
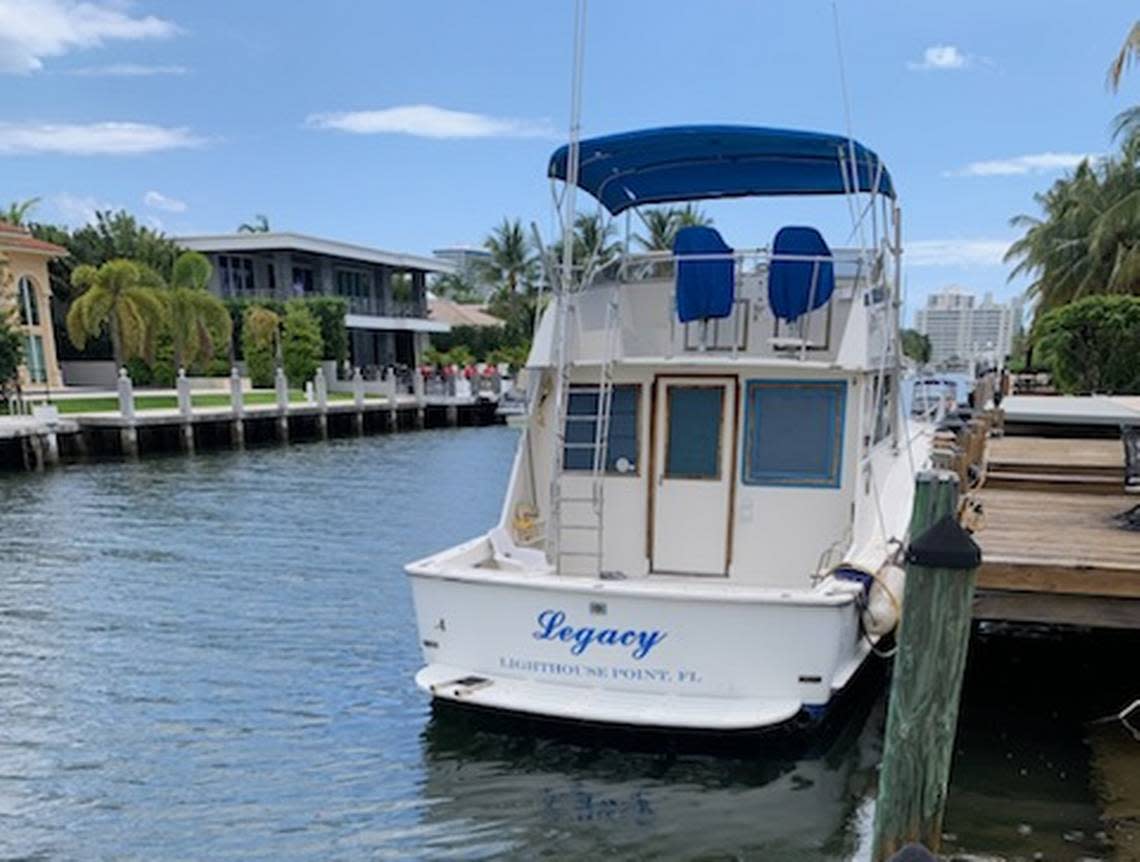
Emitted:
pixel 960 330
pixel 468 261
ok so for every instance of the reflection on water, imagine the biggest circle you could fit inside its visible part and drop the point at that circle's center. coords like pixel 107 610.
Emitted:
pixel 211 657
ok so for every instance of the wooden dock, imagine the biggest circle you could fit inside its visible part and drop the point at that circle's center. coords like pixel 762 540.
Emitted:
pixel 1052 548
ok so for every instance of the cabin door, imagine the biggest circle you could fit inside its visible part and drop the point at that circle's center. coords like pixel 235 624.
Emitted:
pixel 694 431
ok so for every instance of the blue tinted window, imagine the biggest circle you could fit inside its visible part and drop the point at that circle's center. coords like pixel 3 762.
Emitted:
pixel 581 426
pixel 693 447
pixel 794 433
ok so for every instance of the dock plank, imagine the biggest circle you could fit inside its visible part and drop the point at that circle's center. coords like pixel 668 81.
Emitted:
pixel 1053 542
pixel 1055 455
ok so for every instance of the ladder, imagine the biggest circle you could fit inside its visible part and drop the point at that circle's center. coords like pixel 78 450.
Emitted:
pixel 561 527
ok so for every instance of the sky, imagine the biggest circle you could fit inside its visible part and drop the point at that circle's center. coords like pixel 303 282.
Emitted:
pixel 410 126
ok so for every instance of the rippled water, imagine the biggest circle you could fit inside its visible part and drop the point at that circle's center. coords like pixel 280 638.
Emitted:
pixel 211 657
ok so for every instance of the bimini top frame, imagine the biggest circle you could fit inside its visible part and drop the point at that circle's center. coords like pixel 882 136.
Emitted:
pixel 686 163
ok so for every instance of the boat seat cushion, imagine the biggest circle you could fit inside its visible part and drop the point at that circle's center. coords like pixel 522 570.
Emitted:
pixel 705 288
pixel 796 287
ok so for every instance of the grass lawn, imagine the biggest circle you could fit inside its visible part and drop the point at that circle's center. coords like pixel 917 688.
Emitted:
pixel 159 402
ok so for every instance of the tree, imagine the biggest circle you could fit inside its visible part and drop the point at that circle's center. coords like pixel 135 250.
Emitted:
pixel 198 320
pixel 662 224
pixel 261 344
pixel 1127 55
pixel 916 346
pixel 11 346
pixel 512 264
pixel 330 312
pixel 18 210
pixel 1092 345
pixel 120 297
pixel 1087 240
pixel 260 224
pixel 301 344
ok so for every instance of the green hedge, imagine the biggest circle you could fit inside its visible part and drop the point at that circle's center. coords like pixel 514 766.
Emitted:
pixel 1093 345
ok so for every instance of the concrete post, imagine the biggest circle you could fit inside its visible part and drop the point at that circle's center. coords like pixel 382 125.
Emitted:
pixel 358 399
pixel 186 408
pixel 390 398
pixel 418 389
pixel 281 389
pixel 237 404
pixel 128 435
pixel 321 390
pixel 126 395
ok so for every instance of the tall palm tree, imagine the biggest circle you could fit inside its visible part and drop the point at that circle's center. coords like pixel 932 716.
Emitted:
pixel 121 296
pixel 198 320
pixel 512 264
pixel 18 210
pixel 260 224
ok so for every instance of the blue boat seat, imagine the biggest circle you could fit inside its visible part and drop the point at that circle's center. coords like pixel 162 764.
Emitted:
pixel 796 287
pixel 705 288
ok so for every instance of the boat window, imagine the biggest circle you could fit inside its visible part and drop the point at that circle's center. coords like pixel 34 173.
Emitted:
pixel 883 420
pixel 693 447
pixel 581 426
pixel 794 433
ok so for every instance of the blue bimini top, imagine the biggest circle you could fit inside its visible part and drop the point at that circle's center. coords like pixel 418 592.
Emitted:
pixel 685 163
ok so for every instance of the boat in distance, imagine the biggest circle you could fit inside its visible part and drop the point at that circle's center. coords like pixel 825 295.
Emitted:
pixel 704 518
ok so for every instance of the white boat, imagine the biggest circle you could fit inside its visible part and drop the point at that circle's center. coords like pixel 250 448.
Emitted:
pixel 703 522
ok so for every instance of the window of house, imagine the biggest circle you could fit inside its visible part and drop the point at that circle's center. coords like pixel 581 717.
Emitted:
pixel 352 283
pixel 34 359
pixel 235 274
pixel 581 429
pixel 794 433
pixel 29 307
pixel 302 280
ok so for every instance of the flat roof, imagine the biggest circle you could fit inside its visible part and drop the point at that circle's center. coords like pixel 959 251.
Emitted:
pixel 288 241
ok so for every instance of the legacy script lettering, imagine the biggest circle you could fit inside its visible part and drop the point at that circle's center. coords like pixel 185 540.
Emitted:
pixel 552 626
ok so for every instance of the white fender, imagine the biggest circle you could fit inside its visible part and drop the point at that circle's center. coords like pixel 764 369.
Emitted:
pixel 884 605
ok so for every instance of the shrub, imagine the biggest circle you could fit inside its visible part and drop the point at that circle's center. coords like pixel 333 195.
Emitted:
pixel 300 342
pixel 330 312
pixel 260 331
pixel 1092 345
pixel 11 355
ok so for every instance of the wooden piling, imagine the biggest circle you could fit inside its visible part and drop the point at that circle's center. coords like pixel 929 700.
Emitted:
pixel 933 638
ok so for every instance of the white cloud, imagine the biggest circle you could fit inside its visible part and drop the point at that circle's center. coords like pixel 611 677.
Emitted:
pixel 91 139
pixel 1032 163
pixel 159 201
pixel 127 70
pixel 428 121
pixel 31 30
pixel 77 210
pixel 955 252
pixel 941 57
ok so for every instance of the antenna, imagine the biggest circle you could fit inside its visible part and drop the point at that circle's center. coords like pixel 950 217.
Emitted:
pixel 568 201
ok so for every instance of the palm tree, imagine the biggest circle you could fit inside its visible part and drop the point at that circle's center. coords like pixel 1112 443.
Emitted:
pixel 662 224
pixel 18 210
pixel 512 264
pixel 121 296
pixel 1129 51
pixel 263 328
pixel 1087 240
pixel 260 224
pixel 198 320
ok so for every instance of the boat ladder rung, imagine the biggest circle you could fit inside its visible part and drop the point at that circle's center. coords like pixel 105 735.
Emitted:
pixel 593 554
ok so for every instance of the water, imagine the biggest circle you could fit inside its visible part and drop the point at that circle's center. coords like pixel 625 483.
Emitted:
pixel 211 657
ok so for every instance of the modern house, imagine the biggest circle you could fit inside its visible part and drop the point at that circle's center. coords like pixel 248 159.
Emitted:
pixel 25 300
pixel 386 291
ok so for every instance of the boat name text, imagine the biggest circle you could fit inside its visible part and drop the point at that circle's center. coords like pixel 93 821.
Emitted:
pixel 552 626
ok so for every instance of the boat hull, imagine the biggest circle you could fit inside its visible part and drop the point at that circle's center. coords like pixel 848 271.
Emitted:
pixel 671 654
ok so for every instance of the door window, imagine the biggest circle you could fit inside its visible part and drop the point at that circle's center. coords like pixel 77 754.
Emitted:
pixel 694 416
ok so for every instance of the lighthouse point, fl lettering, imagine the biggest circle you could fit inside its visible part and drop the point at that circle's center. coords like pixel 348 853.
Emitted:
pixel 552 626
